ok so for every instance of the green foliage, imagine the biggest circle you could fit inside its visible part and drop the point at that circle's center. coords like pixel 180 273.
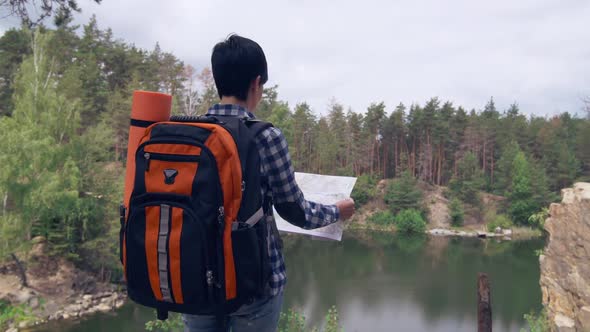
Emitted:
pixel 403 194
pixel 364 189
pixel 537 220
pixel 291 321
pixel 382 218
pixel 469 180
pixel 522 205
pixel 410 221
pixel 10 229
pixel 14 314
pixel 173 323
pixel 53 173
pixel 14 46
pixel 501 221
pixel 457 213
pixel 503 174
pixel 332 321
pixel 33 14
pixel 537 323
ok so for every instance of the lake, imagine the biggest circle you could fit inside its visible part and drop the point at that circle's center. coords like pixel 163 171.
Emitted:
pixel 385 282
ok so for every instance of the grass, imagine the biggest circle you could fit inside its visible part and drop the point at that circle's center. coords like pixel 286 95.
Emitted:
pixel 526 232
pixel 10 314
pixel 537 323
pixel 289 321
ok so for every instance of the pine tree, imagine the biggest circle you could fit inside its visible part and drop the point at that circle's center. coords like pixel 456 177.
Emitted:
pixel 302 147
pixel 504 168
pixel 522 205
pixel 373 135
pixel 337 124
pixel 456 212
pixel 403 193
pixel 354 146
pixel 326 148
pixel 209 95
pixel 281 118
pixel 268 102
pixel 14 46
pixel 469 180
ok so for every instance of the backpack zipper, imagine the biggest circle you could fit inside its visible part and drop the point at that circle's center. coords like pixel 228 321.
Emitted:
pixel 148 156
pixel 220 226
pixel 220 218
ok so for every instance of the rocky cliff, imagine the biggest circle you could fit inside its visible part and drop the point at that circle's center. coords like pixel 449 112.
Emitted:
pixel 565 265
pixel 56 290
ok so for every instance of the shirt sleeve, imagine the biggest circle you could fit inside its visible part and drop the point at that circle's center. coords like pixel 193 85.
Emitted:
pixel 287 197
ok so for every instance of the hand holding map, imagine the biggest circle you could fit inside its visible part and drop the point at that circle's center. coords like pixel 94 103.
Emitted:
pixel 346 208
pixel 325 189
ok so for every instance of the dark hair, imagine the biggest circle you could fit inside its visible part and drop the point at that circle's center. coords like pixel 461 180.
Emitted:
pixel 236 62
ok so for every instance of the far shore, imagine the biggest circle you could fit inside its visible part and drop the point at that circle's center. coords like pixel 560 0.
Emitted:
pixel 515 233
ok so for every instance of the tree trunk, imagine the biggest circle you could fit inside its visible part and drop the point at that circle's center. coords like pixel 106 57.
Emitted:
pixel 21 270
pixel 484 157
pixel 440 164
pixel 413 157
pixel 386 162
pixel 4 203
pixel 492 167
pixel 395 153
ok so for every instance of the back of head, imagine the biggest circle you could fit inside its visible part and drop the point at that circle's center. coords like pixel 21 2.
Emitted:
pixel 236 62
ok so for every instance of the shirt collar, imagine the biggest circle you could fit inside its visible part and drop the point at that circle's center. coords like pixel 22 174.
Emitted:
pixel 230 110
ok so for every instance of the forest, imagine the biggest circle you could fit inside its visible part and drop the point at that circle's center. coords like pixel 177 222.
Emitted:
pixel 65 98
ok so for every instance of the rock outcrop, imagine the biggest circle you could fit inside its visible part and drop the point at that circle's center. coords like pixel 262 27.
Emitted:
pixel 565 264
pixel 57 289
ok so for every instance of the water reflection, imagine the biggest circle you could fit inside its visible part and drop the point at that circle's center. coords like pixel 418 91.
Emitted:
pixel 416 284
pixel 385 282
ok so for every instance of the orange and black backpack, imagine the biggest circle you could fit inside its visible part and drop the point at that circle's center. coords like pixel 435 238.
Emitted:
pixel 191 240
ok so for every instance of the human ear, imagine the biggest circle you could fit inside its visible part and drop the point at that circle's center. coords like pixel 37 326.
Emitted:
pixel 257 84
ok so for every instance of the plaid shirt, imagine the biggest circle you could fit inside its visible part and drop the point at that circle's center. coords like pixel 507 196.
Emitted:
pixel 278 185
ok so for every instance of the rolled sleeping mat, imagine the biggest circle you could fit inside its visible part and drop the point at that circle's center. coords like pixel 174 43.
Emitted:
pixel 147 108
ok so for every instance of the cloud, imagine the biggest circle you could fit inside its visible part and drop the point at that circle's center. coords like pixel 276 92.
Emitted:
pixel 534 52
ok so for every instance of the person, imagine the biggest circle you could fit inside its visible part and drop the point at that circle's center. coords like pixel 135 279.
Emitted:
pixel 240 72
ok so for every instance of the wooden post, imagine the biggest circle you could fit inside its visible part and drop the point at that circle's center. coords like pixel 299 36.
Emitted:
pixel 484 304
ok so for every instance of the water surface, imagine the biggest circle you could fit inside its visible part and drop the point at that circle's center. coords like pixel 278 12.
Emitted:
pixel 384 282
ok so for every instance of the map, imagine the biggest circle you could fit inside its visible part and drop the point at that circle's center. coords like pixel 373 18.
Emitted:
pixel 325 189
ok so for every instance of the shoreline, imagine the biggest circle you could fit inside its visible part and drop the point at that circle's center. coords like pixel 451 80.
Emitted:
pixel 516 233
pixel 55 289
pixel 79 307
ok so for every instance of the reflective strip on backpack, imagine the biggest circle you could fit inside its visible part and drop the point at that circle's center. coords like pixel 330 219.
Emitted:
pixel 255 217
pixel 163 252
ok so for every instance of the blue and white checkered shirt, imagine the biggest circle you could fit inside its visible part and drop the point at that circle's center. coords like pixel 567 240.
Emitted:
pixel 278 185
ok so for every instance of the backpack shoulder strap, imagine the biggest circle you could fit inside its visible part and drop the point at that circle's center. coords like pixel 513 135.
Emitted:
pixel 257 126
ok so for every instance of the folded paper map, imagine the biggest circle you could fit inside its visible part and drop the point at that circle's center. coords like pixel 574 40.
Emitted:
pixel 325 189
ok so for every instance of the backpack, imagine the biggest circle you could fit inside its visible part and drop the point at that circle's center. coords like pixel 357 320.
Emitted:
pixel 190 240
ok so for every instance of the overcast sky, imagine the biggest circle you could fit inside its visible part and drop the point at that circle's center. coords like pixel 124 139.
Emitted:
pixel 533 52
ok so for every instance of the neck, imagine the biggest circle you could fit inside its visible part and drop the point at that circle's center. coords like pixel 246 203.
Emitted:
pixel 231 100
